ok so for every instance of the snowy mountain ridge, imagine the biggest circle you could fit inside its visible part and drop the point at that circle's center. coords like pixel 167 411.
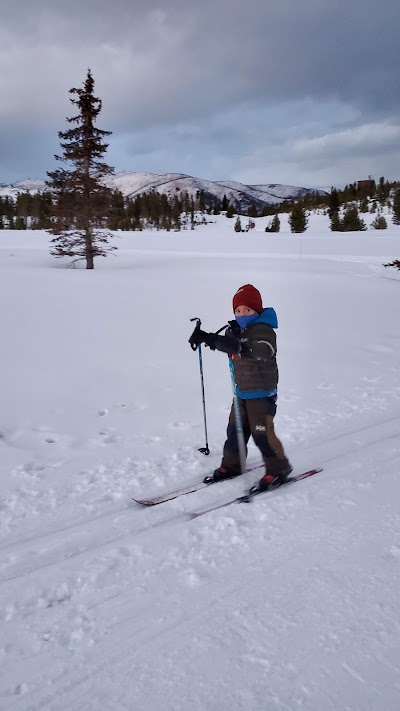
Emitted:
pixel 132 184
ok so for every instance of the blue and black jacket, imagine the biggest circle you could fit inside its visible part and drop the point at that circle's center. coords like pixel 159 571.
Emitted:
pixel 252 353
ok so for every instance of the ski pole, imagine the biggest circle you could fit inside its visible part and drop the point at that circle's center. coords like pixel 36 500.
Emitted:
pixel 238 422
pixel 202 450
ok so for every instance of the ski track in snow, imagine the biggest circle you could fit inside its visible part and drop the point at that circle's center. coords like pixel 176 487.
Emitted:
pixel 73 623
pixel 370 436
pixel 290 602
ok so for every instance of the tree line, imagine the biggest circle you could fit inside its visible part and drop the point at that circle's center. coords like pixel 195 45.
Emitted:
pixel 118 212
pixel 154 210
pixel 344 207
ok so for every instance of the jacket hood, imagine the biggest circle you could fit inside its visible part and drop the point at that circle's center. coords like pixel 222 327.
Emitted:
pixel 269 317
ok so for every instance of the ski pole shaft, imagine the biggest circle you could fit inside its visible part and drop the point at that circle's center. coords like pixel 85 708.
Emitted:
pixel 203 450
pixel 195 346
pixel 238 422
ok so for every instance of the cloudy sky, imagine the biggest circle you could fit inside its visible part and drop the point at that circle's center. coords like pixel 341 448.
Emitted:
pixel 305 92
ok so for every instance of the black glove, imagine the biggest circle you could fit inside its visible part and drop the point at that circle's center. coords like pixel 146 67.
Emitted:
pixel 198 336
pixel 209 340
pixel 235 328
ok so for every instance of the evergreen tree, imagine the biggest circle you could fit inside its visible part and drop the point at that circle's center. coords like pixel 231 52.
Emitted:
pixel 82 199
pixel 298 219
pixel 217 208
pixel 202 201
pixel 335 222
pixel 334 203
pixel 364 207
pixel 349 193
pixel 274 225
pixel 45 211
pixel 192 213
pixel 116 212
pixel 176 211
pixel 351 221
pixel 268 210
pixel 20 223
pixel 238 225
pixel 396 208
pixel 382 191
pixel 333 211
pixel 230 211
pixel 185 200
pixel 379 222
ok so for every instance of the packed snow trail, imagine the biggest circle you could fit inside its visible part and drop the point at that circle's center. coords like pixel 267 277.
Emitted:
pixel 75 600
pixel 315 613
pixel 121 523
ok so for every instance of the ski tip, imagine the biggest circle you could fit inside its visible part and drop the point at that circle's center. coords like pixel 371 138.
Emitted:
pixel 310 472
pixel 145 502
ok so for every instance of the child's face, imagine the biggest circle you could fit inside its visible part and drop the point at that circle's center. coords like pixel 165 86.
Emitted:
pixel 244 311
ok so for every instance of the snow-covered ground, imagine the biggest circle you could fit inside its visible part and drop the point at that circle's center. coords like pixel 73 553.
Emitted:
pixel 288 603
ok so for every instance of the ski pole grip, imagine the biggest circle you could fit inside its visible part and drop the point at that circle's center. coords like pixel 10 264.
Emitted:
pixel 194 346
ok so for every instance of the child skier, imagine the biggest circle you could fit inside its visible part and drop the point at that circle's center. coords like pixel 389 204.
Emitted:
pixel 250 342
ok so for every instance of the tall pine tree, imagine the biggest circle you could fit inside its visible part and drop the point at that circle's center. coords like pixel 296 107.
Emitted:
pixel 351 221
pixel 298 218
pixel 81 197
pixel 274 225
pixel 396 208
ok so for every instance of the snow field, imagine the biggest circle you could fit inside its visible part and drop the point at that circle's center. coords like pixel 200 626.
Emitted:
pixel 288 603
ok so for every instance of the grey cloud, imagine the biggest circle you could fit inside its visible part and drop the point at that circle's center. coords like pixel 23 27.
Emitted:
pixel 25 154
pixel 225 51
pixel 374 139
pixel 172 71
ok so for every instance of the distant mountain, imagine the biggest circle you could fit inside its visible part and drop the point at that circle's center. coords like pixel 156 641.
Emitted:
pixel 241 196
pixel 22 186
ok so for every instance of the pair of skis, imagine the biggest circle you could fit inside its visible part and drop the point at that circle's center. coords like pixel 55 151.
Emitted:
pixel 245 498
pixel 183 491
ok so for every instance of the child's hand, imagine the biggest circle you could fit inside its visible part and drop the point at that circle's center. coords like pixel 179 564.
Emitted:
pixel 198 337
pixel 235 328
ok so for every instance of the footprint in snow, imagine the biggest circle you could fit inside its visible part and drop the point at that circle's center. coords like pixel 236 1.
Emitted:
pixel 179 425
pixel 106 410
pixel 107 437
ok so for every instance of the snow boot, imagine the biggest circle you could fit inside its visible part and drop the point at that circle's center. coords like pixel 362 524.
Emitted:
pixel 277 471
pixel 220 474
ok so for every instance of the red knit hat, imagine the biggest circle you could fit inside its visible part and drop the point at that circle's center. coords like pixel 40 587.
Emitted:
pixel 248 295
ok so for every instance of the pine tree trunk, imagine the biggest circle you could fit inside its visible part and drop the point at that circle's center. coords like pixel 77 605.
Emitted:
pixel 88 226
pixel 89 249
